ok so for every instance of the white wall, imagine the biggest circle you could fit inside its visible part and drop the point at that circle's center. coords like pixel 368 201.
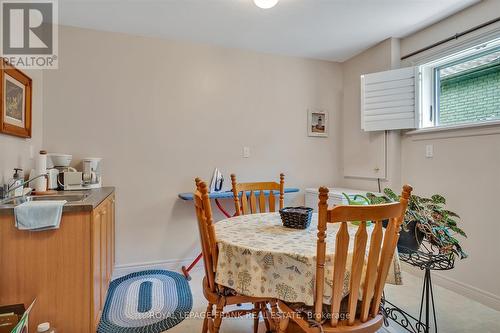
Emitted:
pixel 161 113
pixel 14 151
pixel 465 169
pixel 363 152
pixel 482 12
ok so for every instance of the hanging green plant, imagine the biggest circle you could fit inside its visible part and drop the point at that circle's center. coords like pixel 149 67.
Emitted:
pixel 429 217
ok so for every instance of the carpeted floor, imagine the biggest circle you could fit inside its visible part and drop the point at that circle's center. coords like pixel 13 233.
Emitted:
pixel 456 313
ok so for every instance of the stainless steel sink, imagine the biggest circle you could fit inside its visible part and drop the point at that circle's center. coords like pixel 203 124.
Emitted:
pixel 13 201
pixel 67 197
pixel 70 197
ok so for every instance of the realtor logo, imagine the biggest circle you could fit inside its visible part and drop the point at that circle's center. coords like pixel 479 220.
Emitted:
pixel 29 33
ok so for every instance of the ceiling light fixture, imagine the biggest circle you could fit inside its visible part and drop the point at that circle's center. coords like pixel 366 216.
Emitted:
pixel 265 4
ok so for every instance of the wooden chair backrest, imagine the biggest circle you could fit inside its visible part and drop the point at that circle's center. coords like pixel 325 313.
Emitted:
pixel 207 231
pixel 248 203
pixel 379 255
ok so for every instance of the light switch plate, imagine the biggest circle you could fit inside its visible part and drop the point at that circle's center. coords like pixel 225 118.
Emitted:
pixel 429 151
pixel 246 152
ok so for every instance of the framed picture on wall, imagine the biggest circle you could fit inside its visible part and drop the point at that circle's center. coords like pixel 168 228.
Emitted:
pixel 15 97
pixel 317 123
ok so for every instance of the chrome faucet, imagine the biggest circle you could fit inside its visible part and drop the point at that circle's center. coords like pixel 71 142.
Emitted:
pixel 5 190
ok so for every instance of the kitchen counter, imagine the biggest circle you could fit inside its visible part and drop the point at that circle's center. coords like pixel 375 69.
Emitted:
pixel 94 198
pixel 67 269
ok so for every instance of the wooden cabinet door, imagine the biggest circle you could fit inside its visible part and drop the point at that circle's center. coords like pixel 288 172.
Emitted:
pixel 104 253
pixel 110 233
pixel 113 243
pixel 96 267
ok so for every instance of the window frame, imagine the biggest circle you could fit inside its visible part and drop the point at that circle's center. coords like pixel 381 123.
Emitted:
pixel 429 84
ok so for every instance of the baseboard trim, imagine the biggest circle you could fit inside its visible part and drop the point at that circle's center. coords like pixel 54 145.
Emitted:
pixel 474 293
pixel 170 264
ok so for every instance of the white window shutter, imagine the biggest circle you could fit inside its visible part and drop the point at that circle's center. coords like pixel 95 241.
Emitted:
pixel 389 100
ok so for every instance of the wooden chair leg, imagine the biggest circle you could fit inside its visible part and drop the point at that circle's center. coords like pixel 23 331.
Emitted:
pixel 275 315
pixel 218 315
pixel 256 312
pixel 284 324
pixel 208 316
pixel 267 317
pixel 210 325
pixel 204 328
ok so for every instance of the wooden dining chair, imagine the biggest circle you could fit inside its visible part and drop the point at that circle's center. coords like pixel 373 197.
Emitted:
pixel 248 203
pixel 355 312
pixel 219 296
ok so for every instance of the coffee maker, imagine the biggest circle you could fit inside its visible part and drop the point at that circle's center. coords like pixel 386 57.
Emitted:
pixel 90 177
pixel 91 174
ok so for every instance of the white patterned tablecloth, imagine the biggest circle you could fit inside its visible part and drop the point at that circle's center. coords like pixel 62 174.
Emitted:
pixel 259 257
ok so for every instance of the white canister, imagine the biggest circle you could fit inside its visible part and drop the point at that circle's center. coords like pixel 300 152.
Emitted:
pixel 41 169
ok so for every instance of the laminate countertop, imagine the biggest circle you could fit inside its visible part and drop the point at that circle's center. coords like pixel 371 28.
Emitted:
pixel 93 198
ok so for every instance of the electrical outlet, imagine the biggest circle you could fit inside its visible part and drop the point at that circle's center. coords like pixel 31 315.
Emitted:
pixel 246 152
pixel 429 151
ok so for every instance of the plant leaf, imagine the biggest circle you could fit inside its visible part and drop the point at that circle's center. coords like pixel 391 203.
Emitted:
pixel 390 193
pixel 462 254
pixel 451 222
pixel 376 200
pixel 459 231
pixel 438 199
pixel 450 213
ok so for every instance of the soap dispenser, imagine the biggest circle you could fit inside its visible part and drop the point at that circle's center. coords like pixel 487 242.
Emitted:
pixel 16 181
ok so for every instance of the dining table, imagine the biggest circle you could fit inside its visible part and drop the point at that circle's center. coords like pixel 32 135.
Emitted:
pixel 260 257
pixel 217 196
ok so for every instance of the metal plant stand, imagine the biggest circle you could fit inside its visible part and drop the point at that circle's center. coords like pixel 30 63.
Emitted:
pixel 426 259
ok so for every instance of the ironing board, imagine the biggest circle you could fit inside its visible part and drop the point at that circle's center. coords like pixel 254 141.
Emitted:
pixel 217 196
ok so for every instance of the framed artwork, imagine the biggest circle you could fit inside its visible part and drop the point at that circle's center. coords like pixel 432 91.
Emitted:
pixel 15 97
pixel 317 123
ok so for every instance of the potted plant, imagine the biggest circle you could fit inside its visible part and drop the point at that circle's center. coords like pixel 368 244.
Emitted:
pixel 426 218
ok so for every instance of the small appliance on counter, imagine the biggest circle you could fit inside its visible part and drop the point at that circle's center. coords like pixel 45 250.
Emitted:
pixel 57 165
pixel 52 179
pixel 56 160
pixel 92 172
pixel 71 181
pixel 60 175
pixel 89 178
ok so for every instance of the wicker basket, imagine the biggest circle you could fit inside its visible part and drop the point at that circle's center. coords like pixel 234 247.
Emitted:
pixel 296 217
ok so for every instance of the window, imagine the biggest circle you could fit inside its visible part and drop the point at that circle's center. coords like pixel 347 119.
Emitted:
pixel 463 88
pixel 388 100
